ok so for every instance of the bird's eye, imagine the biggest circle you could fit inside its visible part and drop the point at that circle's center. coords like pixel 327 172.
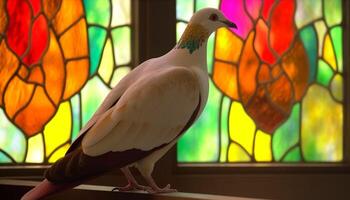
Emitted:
pixel 213 17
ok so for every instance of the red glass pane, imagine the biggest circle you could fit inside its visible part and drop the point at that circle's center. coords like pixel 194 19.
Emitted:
pixel 17 33
pixel 282 26
pixel 261 43
pixel 39 41
pixel 267 6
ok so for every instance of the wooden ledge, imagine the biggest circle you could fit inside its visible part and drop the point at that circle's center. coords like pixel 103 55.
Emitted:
pixel 14 189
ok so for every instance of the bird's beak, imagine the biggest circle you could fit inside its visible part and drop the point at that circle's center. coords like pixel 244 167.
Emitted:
pixel 229 24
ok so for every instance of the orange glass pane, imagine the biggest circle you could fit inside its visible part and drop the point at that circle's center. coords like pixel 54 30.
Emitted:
pixel 227 45
pixel 296 66
pixel 3 17
pixel 264 74
pixel 53 68
pixel 8 67
pixel 69 12
pixel 266 116
pixel 50 8
pixel 261 43
pixel 36 75
pixel 74 41
pixel 17 95
pixel 276 71
pixel 23 72
pixel 225 78
pixel 248 68
pixel 32 124
pixel 77 74
pixel 280 92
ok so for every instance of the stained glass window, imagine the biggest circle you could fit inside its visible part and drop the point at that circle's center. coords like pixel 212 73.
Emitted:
pixel 58 60
pixel 276 83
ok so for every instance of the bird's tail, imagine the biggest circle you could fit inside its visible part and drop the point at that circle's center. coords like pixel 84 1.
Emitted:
pixel 44 189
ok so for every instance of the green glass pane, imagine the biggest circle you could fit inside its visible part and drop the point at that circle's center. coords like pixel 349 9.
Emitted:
pixel 324 73
pixel 307 11
pixel 97 37
pixel 121 43
pixel 184 9
pixel 121 12
pixel 322 126
pixel 97 12
pixel 200 4
pixel 4 158
pixel 224 138
pixel 75 103
pixel 333 12
pixel 201 142
pixel 287 134
pixel 337 37
pixel 92 95
pixel 12 140
pixel 210 52
pixel 309 38
pixel 294 155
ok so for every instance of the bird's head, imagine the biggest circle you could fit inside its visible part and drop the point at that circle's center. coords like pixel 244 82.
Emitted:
pixel 211 19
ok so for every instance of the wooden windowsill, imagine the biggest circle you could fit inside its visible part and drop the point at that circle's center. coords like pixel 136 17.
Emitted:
pixel 16 188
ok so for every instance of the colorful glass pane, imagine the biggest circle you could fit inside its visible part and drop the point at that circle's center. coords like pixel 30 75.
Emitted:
pixel 280 77
pixel 55 57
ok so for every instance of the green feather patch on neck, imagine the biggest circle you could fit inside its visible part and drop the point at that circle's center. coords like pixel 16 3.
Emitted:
pixel 193 38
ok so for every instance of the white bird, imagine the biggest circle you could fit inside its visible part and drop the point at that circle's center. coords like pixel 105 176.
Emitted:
pixel 143 116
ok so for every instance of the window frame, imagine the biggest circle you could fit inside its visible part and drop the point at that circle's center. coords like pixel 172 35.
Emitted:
pixel 146 17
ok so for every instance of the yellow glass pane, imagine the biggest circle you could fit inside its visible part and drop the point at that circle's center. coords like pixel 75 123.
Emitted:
pixel 227 46
pixel 328 52
pixel 237 154
pixel 322 126
pixel 57 130
pixel 59 153
pixel 262 146
pixel 321 30
pixel 107 64
pixel 119 73
pixel 337 87
pixel 74 41
pixel 180 28
pixel 35 152
pixel 241 126
pixel 121 12
pixel 69 12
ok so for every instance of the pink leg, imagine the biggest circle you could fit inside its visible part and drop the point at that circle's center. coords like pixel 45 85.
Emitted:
pixel 132 183
pixel 154 187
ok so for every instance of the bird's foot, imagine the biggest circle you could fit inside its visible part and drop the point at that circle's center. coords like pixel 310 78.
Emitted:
pixel 166 189
pixel 132 187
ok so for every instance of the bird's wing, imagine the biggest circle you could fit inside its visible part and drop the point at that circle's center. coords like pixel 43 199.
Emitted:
pixel 110 101
pixel 150 113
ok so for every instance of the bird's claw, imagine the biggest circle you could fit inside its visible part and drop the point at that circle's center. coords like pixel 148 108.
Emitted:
pixel 166 189
pixel 131 187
